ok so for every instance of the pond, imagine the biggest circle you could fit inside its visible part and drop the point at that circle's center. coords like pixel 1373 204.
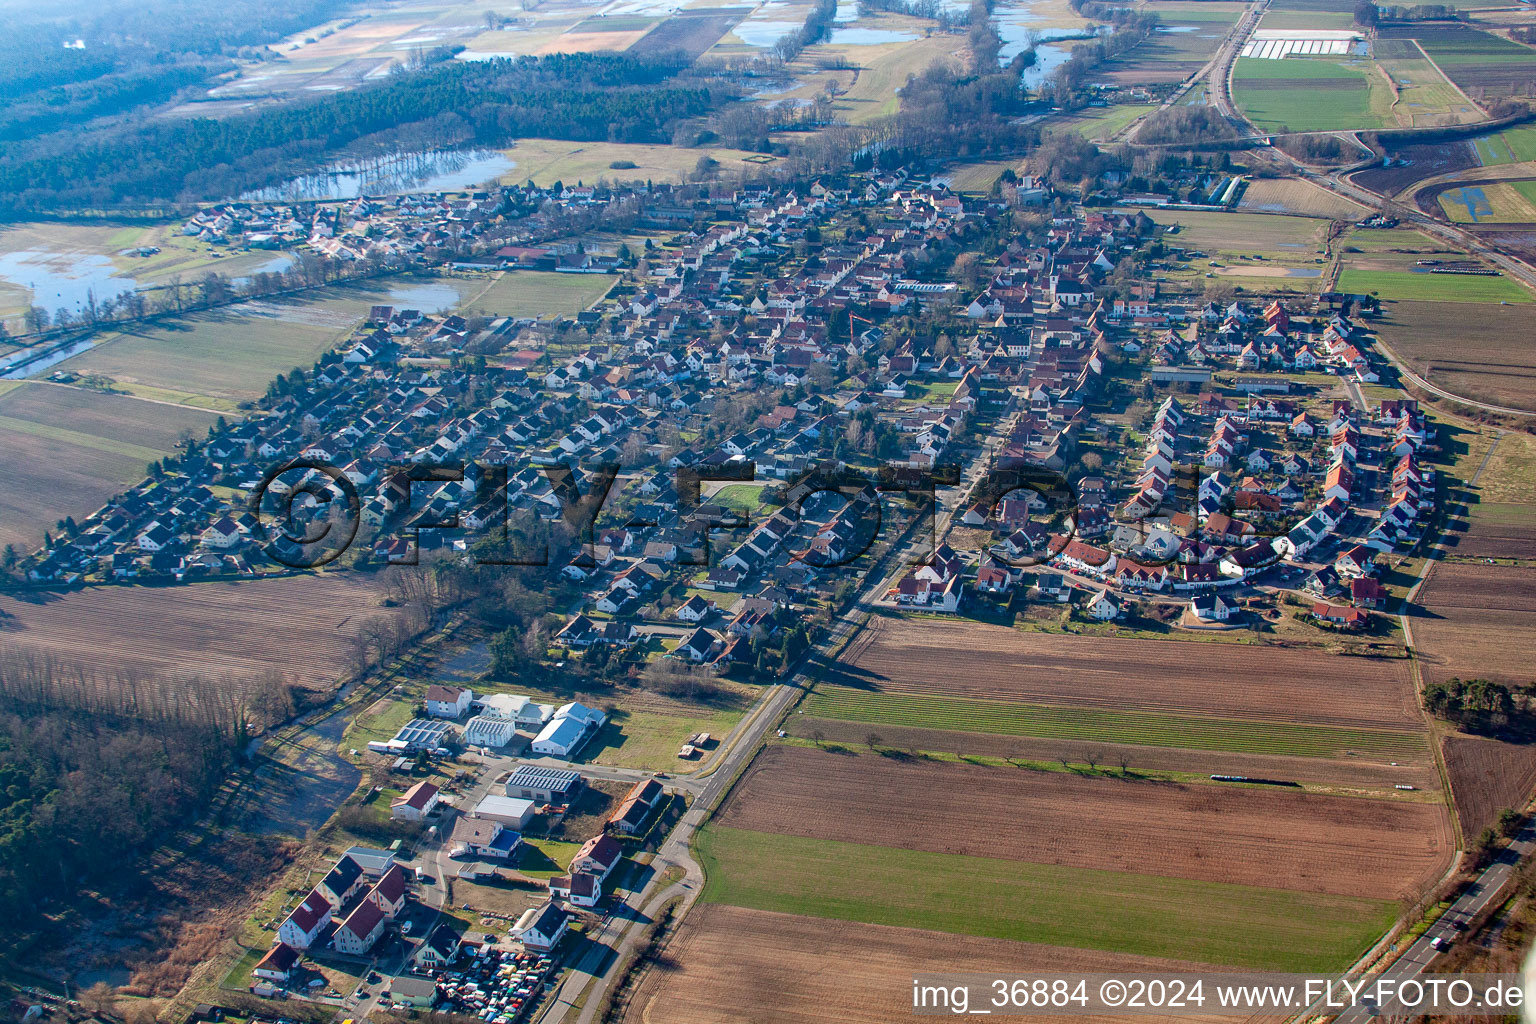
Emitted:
pixel 1018 26
pixel 868 36
pixel 439 171
pixel 429 298
pixel 60 279
pixel 764 34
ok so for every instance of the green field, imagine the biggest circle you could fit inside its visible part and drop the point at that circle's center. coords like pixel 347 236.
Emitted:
pixel 644 739
pixel 1241 926
pixel 1498 203
pixel 546 161
pixel 219 358
pixel 1311 93
pixel 1143 728
pixel 538 294
pixel 545 858
pixel 1383 239
pixel 1101 123
pixel 1243 233
pixel 1307 20
pixel 1515 145
pixel 1406 284
pixel 738 497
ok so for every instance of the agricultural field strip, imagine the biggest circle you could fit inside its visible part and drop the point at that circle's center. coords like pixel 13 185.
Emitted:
pixel 976 660
pixel 109 445
pixel 1421 286
pixel 1133 727
pixel 731 965
pixel 1359 775
pixel 1145 915
pixel 1375 849
pixel 303 625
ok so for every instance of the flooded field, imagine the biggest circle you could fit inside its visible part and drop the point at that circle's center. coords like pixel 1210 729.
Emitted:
pixel 402 172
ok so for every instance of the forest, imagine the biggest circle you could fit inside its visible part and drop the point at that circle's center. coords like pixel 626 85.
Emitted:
pixel 122 56
pixel 580 96
pixel 94 772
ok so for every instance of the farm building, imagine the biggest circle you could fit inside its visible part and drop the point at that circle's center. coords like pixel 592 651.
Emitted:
pixel 512 812
pixel 448 701
pixel 636 807
pixel 415 803
pixel 544 785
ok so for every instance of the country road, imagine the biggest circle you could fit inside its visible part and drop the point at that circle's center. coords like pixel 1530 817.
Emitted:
pixel 620 932
pixel 1488 889
pixel 1219 74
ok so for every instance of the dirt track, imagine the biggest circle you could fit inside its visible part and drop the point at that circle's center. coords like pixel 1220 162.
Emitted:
pixel 1226 680
pixel 1275 838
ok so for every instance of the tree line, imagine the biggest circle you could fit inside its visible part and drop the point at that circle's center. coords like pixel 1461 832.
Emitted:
pixel 581 96
pixel 129 55
pixel 94 770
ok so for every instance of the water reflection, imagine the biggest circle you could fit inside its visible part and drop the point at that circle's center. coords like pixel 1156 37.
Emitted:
pixel 439 171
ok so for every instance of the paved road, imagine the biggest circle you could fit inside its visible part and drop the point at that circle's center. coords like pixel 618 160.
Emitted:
pixel 620 932
pixel 1488 889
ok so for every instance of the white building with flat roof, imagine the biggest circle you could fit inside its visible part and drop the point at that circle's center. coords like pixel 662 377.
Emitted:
pixel 511 811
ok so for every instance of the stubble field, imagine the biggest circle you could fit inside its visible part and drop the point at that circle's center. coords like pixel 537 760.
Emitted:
pixel 1476 622
pixel 1297 197
pixel 1234 681
pixel 1483 356
pixel 301 627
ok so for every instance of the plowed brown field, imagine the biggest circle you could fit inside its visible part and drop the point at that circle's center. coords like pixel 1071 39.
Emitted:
pixel 1229 680
pixel 1476 622
pixel 1418 772
pixel 1488 776
pixel 1276 838
pixel 300 626
pixel 733 966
